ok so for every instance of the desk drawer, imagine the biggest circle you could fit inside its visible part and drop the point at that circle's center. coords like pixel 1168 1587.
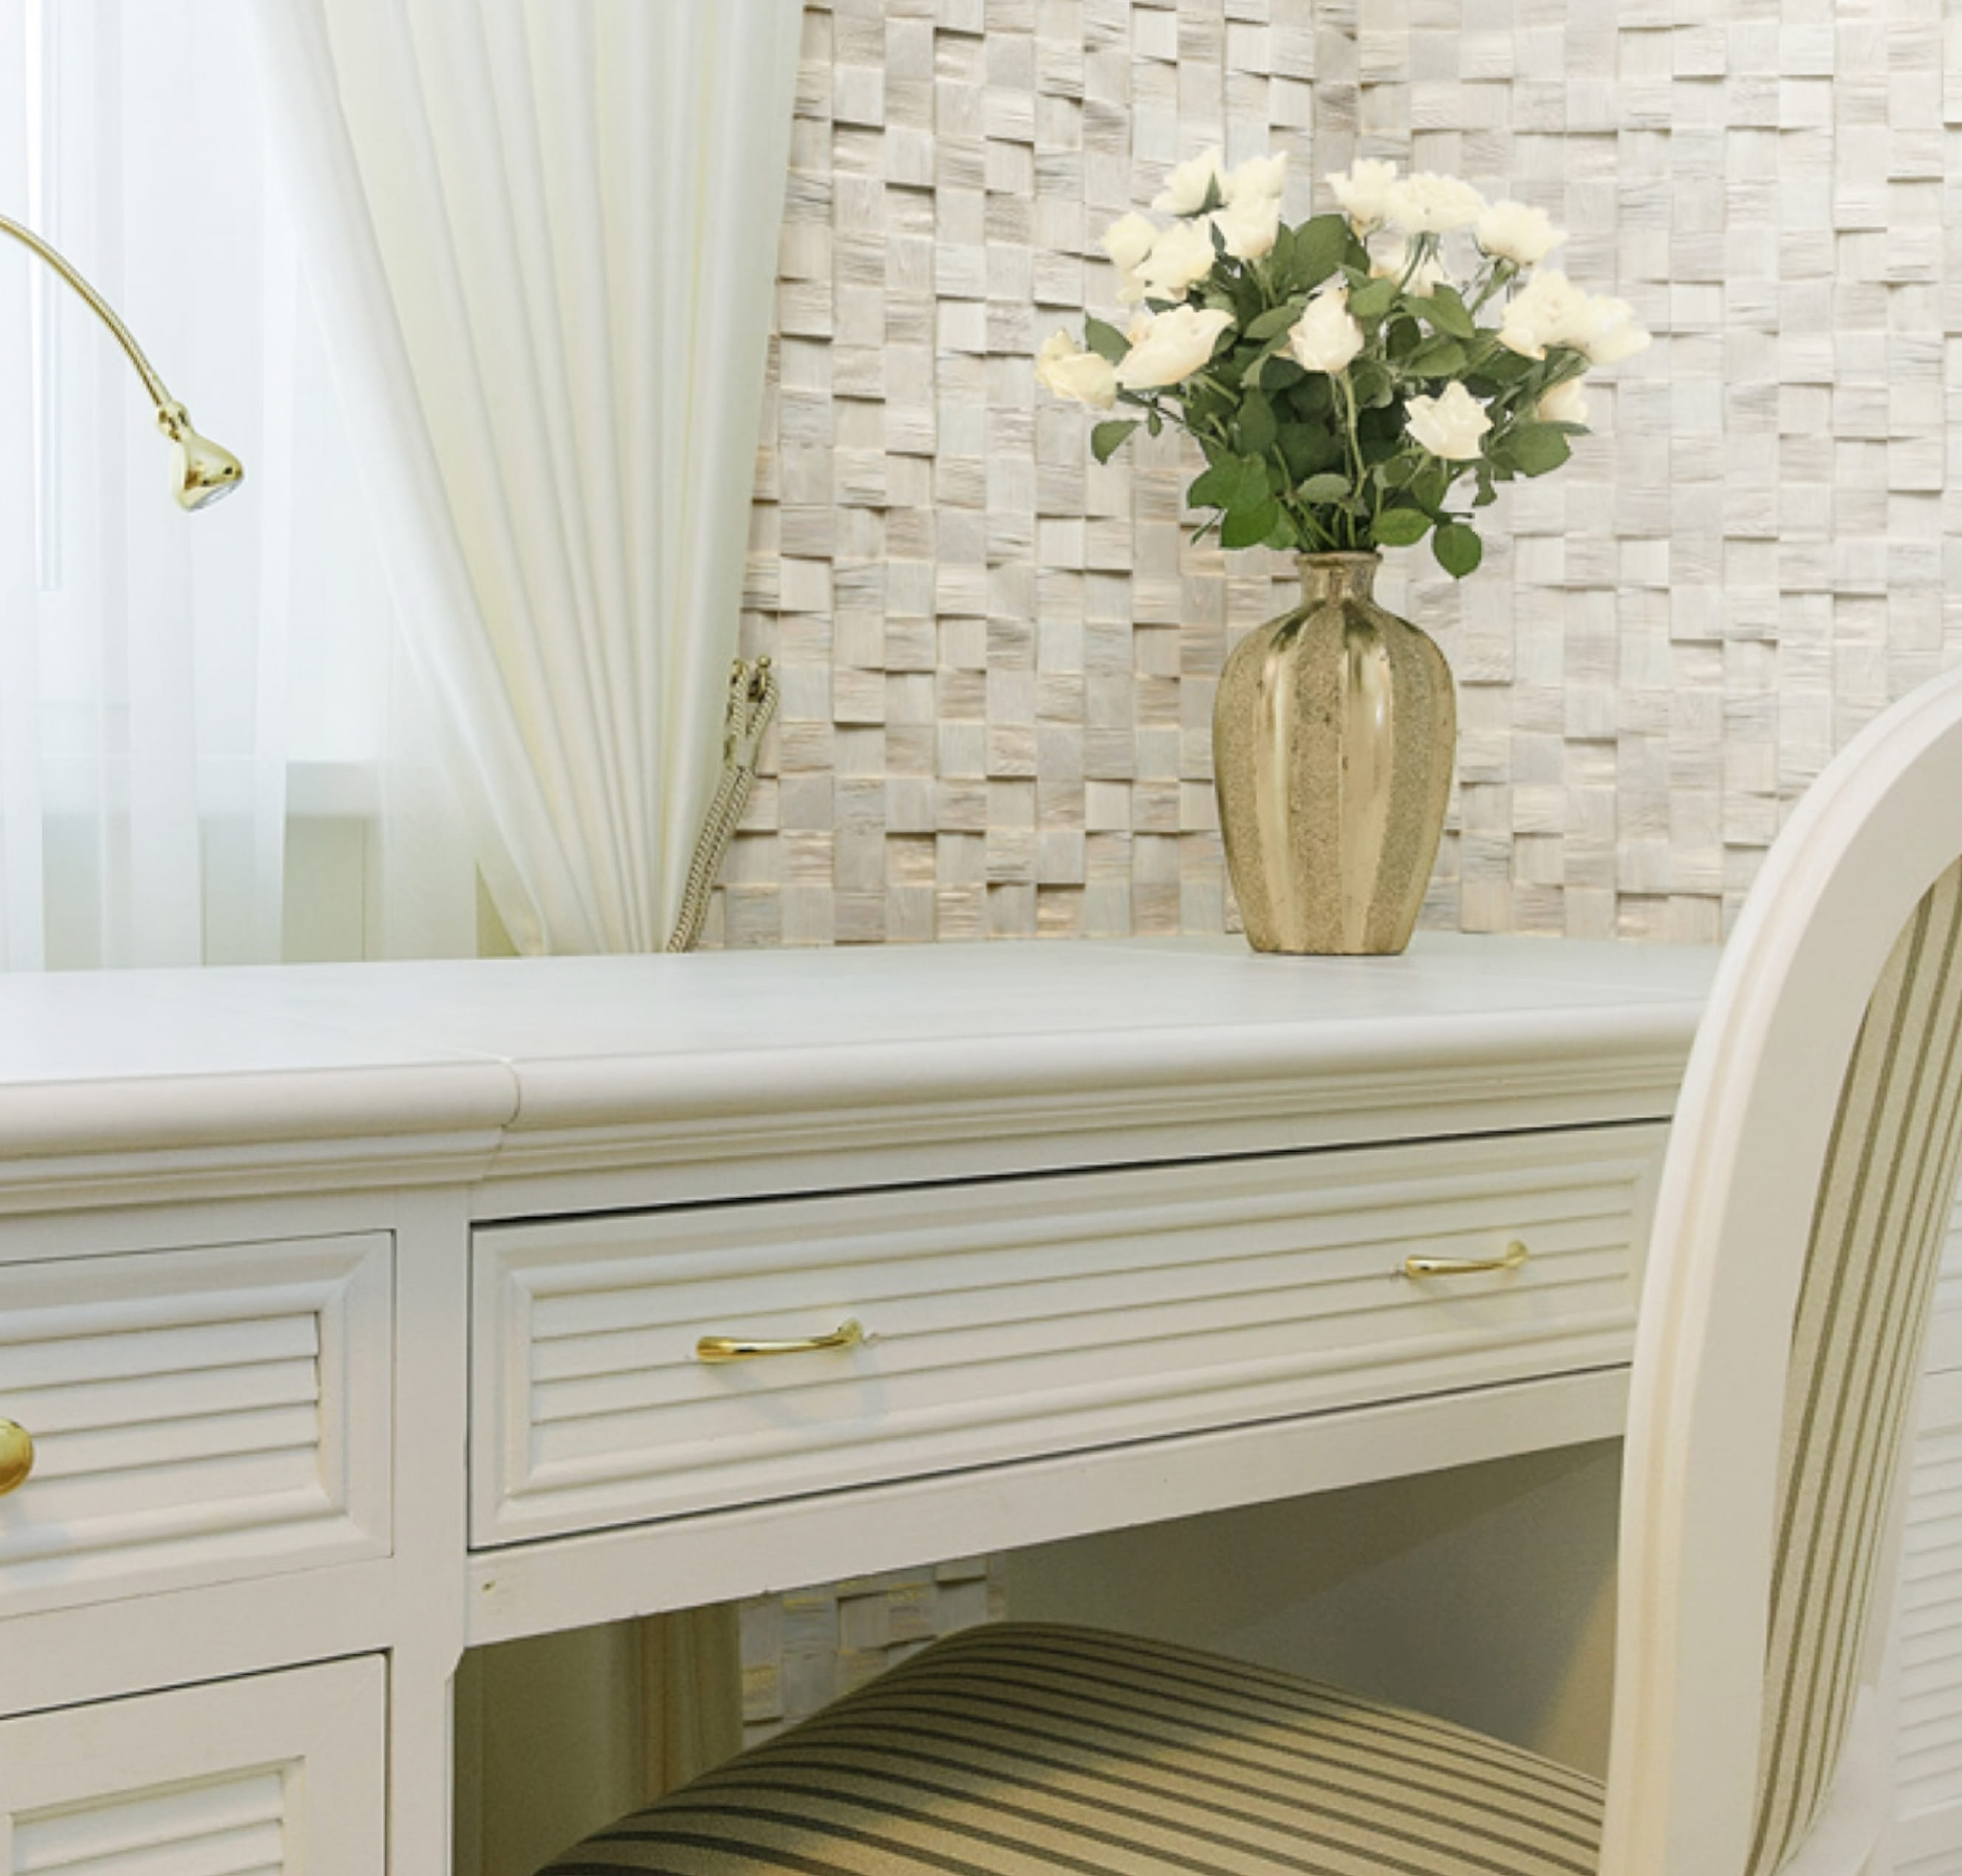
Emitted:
pixel 1005 1319
pixel 197 1415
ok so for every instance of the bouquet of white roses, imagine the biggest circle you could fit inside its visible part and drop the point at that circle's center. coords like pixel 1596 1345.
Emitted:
pixel 1345 379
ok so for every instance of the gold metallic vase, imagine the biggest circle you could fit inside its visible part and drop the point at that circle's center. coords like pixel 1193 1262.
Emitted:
pixel 1334 736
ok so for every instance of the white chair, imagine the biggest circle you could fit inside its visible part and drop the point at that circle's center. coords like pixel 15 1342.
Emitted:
pixel 1805 1199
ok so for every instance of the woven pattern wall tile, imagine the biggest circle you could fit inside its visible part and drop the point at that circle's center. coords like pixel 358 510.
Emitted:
pixel 998 658
pixel 805 1648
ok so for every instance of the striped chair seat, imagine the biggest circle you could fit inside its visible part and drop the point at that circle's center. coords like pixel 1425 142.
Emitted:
pixel 1024 1748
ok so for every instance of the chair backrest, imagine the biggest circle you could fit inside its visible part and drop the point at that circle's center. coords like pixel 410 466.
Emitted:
pixel 1807 1187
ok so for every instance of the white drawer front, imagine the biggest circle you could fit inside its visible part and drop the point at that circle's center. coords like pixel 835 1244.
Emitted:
pixel 1025 1316
pixel 197 1415
pixel 276 1773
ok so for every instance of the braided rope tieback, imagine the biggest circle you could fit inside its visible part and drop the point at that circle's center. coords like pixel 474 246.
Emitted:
pixel 752 702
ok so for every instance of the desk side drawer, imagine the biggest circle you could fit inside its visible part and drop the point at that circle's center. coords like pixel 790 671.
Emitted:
pixel 1027 1316
pixel 198 1415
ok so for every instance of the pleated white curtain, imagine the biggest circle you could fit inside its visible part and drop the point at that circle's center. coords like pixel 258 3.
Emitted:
pixel 550 230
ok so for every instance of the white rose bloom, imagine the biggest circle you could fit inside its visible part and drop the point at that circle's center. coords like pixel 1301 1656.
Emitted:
pixel 1128 239
pixel 1259 179
pixel 1187 186
pixel 1607 331
pixel 1517 232
pixel 1131 289
pixel 1549 310
pixel 1081 376
pixel 1250 226
pixel 1450 425
pixel 1326 336
pixel 1564 403
pixel 1363 190
pixel 1430 204
pixel 1391 263
pixel 1174 345
pixel 1183 253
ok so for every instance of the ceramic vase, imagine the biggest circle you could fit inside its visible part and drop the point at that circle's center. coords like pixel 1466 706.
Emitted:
pixel 1334 737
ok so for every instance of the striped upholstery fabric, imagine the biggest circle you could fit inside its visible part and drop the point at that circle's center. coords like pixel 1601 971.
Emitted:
pixel 1023 1749
pixel 1882 1210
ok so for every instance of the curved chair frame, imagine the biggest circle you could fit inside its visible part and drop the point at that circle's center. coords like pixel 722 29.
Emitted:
pixel 1713 1347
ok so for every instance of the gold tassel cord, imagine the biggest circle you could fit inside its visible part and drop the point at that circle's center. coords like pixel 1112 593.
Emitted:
pixel 752 702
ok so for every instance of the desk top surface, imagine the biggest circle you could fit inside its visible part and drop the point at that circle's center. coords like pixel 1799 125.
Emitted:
pixel 166 1060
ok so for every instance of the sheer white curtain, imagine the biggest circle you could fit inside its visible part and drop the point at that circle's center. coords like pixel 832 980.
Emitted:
pixel 203 721
pixel 194 708
pixel 552 225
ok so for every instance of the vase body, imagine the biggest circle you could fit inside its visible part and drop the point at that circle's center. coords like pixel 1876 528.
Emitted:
pixel 1334 739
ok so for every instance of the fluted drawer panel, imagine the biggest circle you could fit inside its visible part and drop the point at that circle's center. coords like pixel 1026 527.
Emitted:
pixel 197 1414
pixel 261 1776
pixel 1027 1315
pixel 226 1827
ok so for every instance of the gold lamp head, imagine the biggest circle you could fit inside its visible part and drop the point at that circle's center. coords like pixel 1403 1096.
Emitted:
pixel 201 470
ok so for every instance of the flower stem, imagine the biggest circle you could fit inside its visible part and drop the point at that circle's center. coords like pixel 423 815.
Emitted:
pixel 1345 390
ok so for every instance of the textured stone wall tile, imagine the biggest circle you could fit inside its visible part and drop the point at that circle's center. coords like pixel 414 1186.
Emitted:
pixel 1667 639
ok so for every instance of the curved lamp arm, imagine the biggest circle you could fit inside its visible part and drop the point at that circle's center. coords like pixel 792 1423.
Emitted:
pixel 201 470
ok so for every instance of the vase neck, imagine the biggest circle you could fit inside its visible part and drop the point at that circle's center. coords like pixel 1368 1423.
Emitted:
pixel 1328 577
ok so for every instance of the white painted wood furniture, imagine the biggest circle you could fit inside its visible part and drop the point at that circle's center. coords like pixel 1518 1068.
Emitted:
pixel 355 1311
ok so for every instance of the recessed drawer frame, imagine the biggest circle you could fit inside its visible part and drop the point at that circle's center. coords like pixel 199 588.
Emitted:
pixel 1021 1317
pixel 198 1415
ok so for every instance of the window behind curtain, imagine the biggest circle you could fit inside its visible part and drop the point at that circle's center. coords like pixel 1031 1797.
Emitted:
pixel 200 775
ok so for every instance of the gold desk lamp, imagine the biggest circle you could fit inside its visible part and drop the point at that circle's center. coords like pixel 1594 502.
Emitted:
pixel 201 470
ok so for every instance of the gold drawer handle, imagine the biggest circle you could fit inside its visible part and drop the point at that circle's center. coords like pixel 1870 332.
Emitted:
pixel 1515 1253
pixel 848 1334
pixel 17 1456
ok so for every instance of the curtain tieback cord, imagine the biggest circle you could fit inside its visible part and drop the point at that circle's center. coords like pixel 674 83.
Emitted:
pixel 752 701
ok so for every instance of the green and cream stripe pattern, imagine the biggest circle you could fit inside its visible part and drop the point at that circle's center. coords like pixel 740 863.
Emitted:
pixel 1884 1205
pixel 1021 1750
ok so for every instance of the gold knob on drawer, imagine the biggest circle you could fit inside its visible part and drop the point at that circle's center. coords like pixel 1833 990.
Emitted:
pixel 848 1334
pixel 17 1455
pixel 1514 1254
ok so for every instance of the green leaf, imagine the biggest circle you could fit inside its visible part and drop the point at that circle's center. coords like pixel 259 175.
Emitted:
pixel 1534 449
pixel 1401 527
pixel 1277 372
pixel 1317 248
pixel 1106 438
pixel 1458 548
pixel 1312 401
pixel 1429 483
pixel 1500 365
pixel 1373 300
pixel 1325 487
pixel 1275 320
pixel 1105 340
pixel 1439 357
pixel 1248 527
pixel 1309 448
pixel 1448 312
pixel 1258 429
pixel 1374 387
pixel 1233 482
pixel 1154 423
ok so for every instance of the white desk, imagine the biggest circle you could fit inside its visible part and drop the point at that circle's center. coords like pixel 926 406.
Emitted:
pixel 354 1308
